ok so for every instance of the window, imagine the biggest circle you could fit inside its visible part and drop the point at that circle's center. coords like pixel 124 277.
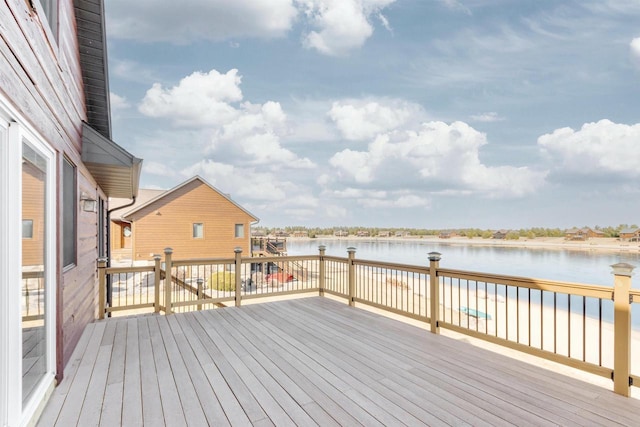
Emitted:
pixel 69 209
pixel 27 229
pixel 198 230
pixel 239 231
pixel 50 10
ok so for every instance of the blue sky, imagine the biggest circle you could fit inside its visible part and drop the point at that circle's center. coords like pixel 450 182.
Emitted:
pixel 407 113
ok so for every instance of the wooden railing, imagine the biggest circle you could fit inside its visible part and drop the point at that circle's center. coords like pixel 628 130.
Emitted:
pixel 583 326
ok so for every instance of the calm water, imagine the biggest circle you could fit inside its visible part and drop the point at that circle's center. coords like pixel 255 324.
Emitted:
pixel 579 266
pixel 589 267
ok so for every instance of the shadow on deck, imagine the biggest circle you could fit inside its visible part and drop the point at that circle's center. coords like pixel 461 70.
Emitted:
pixel 309 361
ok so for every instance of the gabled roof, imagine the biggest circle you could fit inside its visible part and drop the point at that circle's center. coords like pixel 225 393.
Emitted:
pixel 630 230
pixel 138 206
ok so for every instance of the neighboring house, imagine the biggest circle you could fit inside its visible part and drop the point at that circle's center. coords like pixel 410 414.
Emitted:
pixel 500 234
pixel 363 233
pixel 582 233
pixel 384 233
pixel 300 233
pixel 630 234
pixel 447 234
pixel 58 166
pixel 341 233
pixel 194 218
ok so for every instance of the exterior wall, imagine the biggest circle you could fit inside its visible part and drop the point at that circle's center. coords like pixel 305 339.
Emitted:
pixel 169 223
pixel 41 77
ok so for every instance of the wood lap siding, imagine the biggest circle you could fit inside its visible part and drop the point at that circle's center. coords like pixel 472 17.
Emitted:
pixel 169 223
pixel 42 79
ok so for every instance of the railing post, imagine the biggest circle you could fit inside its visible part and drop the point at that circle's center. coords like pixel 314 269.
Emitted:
pixel 322 278
pixel 622 328
pixel 167 280
pixel 434 292
pixel 200 282
pixel 156 283
pixel 102 286
pixel 238 268
pixel 352 276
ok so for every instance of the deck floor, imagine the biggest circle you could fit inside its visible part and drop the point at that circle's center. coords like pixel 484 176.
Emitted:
pixel 305 362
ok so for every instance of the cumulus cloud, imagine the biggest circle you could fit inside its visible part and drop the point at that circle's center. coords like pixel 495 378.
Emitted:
pixel 599 148
pixel 438 155
pixel 211 102
pixel 191 20
pixel 634 48
pixel 491 116
pixel 341 25
pixel 363 119
pixel 156 168
pixel 118 102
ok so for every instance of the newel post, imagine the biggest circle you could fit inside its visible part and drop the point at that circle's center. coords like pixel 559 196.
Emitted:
pixel 434 293
pixel 352 276
pixel 156 283
pixel 167 280
pixel 622 328
pixel 322 278
pixel 200 282
pixel 102 286
pixel 238 268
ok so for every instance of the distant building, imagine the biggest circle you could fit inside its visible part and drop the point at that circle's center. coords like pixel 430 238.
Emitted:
pixel 582 233
pixel 363 233
pixel 194 218
pixel 500 234
pixel 300 233
pixel 341 233
pixel 447 234
pixel 384 233
pixel 630 234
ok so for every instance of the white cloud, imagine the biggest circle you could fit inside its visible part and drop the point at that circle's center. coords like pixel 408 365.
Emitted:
pixel 597 148
pixel 118 102
pixel 198 100
pixel 363 119
pixel 399 202
pixel 210 102
pixel 341 25
pixel 491 116
pixel 634 48
pixel 439 155
pixel 156 168
pixel 189 20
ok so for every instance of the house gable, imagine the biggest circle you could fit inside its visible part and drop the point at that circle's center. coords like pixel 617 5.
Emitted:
pixel 168 221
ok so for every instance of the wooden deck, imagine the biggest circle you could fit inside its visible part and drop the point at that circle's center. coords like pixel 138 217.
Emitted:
pixel 306 362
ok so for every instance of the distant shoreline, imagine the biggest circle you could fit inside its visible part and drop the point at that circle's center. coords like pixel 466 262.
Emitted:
pixel 592 244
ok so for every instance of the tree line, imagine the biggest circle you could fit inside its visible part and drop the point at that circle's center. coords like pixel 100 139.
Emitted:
pixel 530 233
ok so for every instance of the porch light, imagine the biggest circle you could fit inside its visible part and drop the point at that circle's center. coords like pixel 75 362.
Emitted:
pixel 88 203
pixel 623 269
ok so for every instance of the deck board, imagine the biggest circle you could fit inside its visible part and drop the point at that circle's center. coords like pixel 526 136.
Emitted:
pixel 306 362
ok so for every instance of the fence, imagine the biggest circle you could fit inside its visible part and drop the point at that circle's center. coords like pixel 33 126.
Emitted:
pixel 584 326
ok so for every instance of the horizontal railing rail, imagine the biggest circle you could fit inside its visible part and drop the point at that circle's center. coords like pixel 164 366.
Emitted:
pixel 583 326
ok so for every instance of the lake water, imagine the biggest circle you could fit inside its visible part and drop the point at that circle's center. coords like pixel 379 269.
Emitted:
pixel 569 265
pixel 581 266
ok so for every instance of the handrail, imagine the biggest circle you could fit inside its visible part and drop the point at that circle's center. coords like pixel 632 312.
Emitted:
pixel 594 291
pixel 568 323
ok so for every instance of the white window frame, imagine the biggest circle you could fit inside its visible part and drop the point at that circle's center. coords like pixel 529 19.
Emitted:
pixel 16 131
pixel 238 235
pixel 201 229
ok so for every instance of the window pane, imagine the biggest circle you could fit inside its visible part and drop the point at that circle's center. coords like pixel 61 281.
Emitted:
pixel 69 214
pixel 198 230
pixel 33 295
pixel 239 230
pixel 27 228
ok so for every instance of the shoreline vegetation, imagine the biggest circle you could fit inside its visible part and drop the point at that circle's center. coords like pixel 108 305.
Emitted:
pixel 592 244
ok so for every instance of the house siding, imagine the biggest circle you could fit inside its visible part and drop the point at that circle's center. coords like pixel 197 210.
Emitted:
pixel 42 79
pixel 168 222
